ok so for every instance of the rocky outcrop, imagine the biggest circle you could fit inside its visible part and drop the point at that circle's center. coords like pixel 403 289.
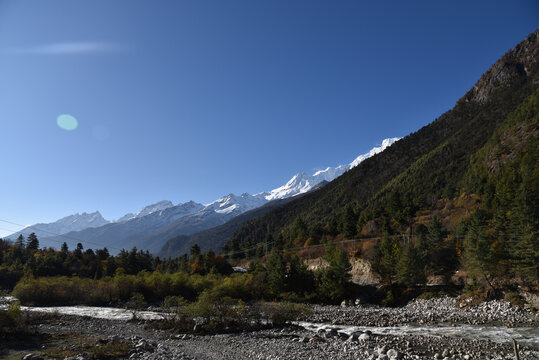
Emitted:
pixel 516 65
pixel 316 264
pixel 530 298
pixel 362 272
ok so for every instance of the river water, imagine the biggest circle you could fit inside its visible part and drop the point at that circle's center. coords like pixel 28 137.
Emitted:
pixel 523 335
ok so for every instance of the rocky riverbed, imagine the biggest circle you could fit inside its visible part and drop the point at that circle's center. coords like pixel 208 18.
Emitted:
pixel 433 311
pixel 310 342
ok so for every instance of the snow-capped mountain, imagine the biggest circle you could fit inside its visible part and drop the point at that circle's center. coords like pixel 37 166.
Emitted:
pixel 128 233
pixel 182 236
pixel 158 206
pixel 229 206
pixel 301 183
pixel 75 222
pixel 375 150
pixel 154 224
pixel 237 204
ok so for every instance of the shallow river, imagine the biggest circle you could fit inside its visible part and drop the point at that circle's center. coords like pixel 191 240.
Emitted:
pixel 523 335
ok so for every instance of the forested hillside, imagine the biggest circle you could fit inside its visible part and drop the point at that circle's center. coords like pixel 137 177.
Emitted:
pixel 472 174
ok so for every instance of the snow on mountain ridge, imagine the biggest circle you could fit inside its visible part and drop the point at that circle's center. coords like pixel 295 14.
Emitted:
pixel 298 184
pixel 385 144
pixel 125 218
pixel 158 206
pixel 301 182
pixel 231 202
pixel 163 212
pixel 190 214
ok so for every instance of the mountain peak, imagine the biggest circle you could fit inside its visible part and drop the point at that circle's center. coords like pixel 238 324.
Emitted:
pixel 512 67
pixel 375 150
pixel 95 214
pixel 148 209
pixel 74 222
pixel 301 182
pixel 158 206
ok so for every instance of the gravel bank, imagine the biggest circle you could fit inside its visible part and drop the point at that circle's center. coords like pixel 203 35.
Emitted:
pixel 292 343
pixel 298 343
pixel 434 311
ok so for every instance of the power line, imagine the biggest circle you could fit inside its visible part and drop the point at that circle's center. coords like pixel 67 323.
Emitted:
pixel 297 248
pixel 12 231
pixel 508 240
pixel 62 235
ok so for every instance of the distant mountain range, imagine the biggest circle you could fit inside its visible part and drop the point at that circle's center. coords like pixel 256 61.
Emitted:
pixel 151 227
pixel 75 222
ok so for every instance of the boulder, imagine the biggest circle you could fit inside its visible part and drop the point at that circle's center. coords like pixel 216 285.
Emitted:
pixel 394 354
pixel 316 339
pixel 364 337
pixel 33 357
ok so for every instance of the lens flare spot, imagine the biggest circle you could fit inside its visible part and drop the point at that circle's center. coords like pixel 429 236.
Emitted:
pixel 67 122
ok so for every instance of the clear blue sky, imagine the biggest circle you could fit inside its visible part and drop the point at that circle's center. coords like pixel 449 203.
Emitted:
pixel 186 100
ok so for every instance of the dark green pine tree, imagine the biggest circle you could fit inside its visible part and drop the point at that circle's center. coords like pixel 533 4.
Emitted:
pixel 437 232
pixel 299 230
pixel 409 270
pixel 234 250
pixel 101 254
pixel 388 256
pixel 195 251
pixel 437 257
pixel 332 227
pixel 32 243
pixel 334 281
pixel 422 246
pixel 400 208
pixel 268 244
pixel 78 251
pixel 64 248
pixel 479 255
pixel 299 279
pixel 524 239
pixel 526 257
pixel 209 261
pixel 20 241
pixel 279 242
pixel 276 273
pixel 349 222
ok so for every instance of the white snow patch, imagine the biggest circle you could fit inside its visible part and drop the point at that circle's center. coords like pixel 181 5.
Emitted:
pixel 301 183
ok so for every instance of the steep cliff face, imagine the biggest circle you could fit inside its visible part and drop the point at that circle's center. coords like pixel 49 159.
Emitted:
pixel 516 65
